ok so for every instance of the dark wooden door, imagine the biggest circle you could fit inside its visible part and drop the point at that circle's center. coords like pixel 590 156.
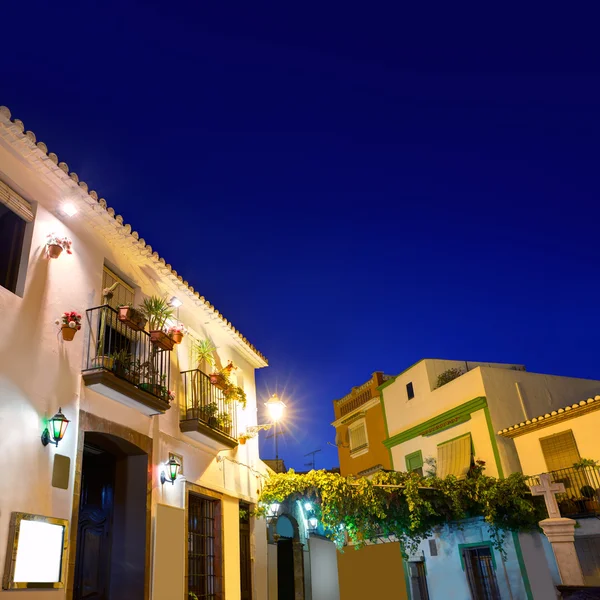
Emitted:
pixel 92 566
pixel 285 569
pixel 245 558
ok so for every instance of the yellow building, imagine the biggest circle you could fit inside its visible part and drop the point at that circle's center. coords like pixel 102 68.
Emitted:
pixel 565 443
pixel 360 433
pixel 360 429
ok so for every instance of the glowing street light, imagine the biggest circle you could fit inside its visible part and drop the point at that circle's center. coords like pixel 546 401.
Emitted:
pixel 275 407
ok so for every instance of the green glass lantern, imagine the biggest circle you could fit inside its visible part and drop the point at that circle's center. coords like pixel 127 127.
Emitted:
pixel 57 426
pixel 173 469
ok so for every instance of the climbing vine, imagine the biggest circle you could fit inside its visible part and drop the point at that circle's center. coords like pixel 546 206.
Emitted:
pixel 407 505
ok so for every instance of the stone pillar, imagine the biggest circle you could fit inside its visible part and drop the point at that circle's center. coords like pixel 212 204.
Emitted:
pixel 561 534
pixel 298 570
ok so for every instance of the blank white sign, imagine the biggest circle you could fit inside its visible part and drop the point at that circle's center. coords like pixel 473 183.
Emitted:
pixel 39 552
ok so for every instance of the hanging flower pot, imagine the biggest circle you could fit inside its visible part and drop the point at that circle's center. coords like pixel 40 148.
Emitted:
pixel 56 244
pixel 70 324
pixel 219 380
pixel 68 333
pixel 54 250
pixel 132 317
pixel 161 340
pixel 176 332
pixel 242 440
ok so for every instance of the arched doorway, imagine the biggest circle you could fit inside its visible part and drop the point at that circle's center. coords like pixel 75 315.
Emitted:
pixel 110 533
pixel 290 561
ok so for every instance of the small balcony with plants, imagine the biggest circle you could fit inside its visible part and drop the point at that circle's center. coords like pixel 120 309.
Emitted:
pixel 125 362
pixel 582 489
pixel 210 402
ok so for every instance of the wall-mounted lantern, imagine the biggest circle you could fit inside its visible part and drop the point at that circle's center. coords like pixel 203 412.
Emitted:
pixel 173 469
pixel 56 431
pixel 273 511
pixel 313 523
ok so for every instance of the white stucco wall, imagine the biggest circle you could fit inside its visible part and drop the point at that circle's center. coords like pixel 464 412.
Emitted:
pixel 323 569
pixel 40 372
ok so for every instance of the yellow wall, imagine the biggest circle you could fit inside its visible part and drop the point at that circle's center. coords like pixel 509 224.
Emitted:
pixel 372 572
pixel 377 454
pixel 585 429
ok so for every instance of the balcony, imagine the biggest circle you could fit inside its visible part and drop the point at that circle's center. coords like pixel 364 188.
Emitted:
pixel 123 364
pixel 582 491
pixel 206 413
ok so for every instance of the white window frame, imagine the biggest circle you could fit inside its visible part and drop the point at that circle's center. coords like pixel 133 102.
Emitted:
pixel 353 426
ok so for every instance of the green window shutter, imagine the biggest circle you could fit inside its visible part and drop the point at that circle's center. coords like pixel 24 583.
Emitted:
pixel 414 461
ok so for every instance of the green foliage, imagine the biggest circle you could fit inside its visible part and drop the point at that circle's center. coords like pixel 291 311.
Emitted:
pixel 585 462
pixel 203 351
pixel 234 393
pixel 408 505
pixel 448 376
pixel 157 310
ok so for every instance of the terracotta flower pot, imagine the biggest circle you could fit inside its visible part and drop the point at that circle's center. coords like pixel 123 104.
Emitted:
pixel 218 380
pixel 161 340
pixel 68 333
pixel 54 250
pixel 132 318
pixel 242 441
pixel 177 336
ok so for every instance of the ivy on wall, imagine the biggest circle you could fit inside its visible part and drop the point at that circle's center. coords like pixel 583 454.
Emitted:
pixel 408 505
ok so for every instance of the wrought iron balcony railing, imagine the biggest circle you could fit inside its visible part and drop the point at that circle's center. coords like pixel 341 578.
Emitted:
pixel 121 356
pixel 206 403
pixel 582 491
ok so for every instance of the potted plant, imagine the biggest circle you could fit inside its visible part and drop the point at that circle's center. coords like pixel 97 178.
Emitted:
pixel 590 499
pixel 244 437
pixel 157 310
pixel 132 317
pixel 218 379
pixel 224 421
pixel 234 393
pixel 203 352
pixel 70 324
pixel 125 367
pixel 584 463
pixel 176 333
pixel 55 244
pixel 209 414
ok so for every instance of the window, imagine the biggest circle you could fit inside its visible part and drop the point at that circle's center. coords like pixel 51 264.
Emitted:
pixel 414 462
pixel 358 436
pixel 455 457
pixel 410 391
pixel 116 336
pixel 559 450
pixel 15 213
pixel 418 580
pixel 480 567
pixel 204 548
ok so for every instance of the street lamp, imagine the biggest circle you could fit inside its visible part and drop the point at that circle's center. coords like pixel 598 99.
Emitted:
pixel 275 408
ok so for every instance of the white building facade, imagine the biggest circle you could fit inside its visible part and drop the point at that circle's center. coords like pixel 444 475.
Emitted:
pixel 129 536
pixel 456 424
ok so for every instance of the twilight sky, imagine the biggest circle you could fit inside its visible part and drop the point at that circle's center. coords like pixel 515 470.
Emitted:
pixel 355 188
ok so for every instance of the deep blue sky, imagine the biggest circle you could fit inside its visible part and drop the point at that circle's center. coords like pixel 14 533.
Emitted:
pixel 355 189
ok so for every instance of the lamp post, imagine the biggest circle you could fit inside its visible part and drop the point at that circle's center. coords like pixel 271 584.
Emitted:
pixel 275 408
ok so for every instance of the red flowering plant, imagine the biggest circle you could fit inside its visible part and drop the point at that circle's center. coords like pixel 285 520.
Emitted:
pixel 63 241
pixel 70 319
pixel 179 328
